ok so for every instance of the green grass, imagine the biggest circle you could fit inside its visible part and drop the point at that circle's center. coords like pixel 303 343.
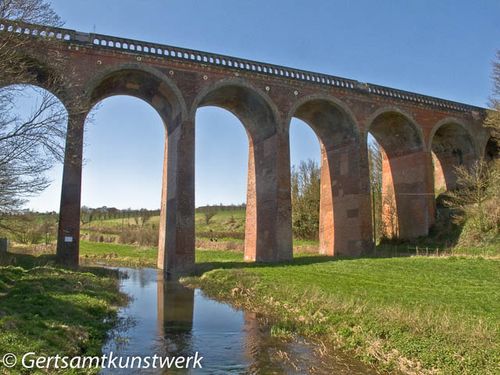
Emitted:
pixel 223 221
pixel 486 251
pixel 401 313
pixel 49 310
pixel 133 256
pixel 117 254
pixel 297 242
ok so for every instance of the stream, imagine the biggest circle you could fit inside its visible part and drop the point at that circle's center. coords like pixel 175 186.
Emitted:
pixel 168 319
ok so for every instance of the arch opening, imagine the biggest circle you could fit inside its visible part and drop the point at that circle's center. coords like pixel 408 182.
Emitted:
pixel 305 157
pixel 397 147
pixel 33 123
pixel 247 105
pixel 176 233
pixel 492 150
pixel 451 147
pixel 121 176
pixel 259 120
pixel 152 87
pixel 221 144
pixel 341 207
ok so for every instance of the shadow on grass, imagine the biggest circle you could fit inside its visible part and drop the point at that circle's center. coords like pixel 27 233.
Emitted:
pixel 202 267
pixel 30 261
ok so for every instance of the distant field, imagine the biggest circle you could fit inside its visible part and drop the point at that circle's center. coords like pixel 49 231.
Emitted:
pixel 223 221
pixel 225 231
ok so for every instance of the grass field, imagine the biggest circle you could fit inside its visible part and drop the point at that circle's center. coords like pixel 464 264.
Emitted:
pixel 133 256
pixel 49 310
pixel 223 221
pixel 225 231
pixel 415 315
pixel 407 313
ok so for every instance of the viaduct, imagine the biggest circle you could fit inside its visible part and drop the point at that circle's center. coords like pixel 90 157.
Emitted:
pixel 422 137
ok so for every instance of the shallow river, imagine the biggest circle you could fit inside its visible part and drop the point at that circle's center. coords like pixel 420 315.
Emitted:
pixel 167 319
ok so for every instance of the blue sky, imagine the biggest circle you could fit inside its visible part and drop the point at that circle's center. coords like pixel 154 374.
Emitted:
pixel 440 48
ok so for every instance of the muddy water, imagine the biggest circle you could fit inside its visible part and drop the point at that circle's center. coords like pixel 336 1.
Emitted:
pixel 167 319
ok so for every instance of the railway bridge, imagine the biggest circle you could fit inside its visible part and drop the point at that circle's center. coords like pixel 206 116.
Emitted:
pixel 423 138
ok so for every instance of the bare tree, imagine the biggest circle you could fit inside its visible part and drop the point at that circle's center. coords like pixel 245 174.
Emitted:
pixel 29 146
pixel 31 11
pixel 12 63
pixel 493 118
pixel 30 141
pixel 86 215
pixel 209 213
pixel 145 215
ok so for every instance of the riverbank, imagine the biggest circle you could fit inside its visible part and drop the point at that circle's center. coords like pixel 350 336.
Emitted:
pixel 136 257
pixel 418 315
pixel 50 310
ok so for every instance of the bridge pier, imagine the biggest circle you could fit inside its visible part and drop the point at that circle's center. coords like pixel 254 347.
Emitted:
pixel 68 236
pixel 176 237
pixel 405 195
pixel 268 234
pixel 345 210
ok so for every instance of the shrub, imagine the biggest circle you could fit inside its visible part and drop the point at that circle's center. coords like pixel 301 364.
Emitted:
pixel 139 236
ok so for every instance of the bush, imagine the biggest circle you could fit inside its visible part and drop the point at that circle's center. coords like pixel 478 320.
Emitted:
pixel 139 236
pixel 30 228
pixel 476 203
pixel 305 200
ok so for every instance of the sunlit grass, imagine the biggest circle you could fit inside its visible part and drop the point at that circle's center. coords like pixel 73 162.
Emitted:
pixel 402 313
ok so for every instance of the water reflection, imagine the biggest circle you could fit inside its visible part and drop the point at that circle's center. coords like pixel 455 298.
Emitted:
pixel 175 308
pixel 169 319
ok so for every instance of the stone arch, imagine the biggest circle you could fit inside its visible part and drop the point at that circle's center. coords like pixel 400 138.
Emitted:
pixel 41 75
pixel 343 199
pixel 451 145
pixel 341 106
pixel 176 237
pixel 250 104
pixel 402 125
pixel 145 83
pixel 405 212
pixel 259 117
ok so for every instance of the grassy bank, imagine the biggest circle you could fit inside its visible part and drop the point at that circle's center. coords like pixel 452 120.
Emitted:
pixel 118 254
pixel 412 314
pixel 133 256
pixel 49 310
pixel 417 315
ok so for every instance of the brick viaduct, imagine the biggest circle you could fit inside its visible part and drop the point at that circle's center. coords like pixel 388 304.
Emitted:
pixel 413 129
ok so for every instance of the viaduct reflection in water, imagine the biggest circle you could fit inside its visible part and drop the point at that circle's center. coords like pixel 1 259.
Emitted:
pixel 168 319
